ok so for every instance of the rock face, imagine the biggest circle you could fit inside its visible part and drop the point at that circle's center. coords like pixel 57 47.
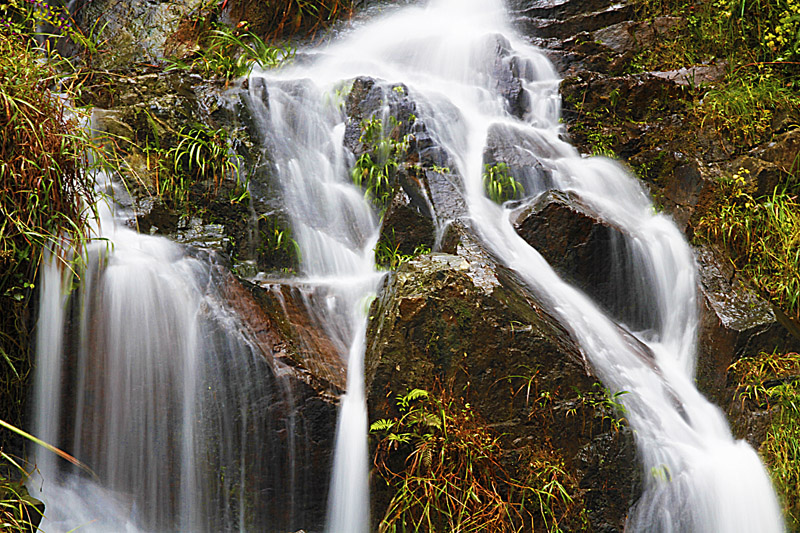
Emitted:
pixel 589 252
pixel 465 320
pixel 735 322
pixel 136 32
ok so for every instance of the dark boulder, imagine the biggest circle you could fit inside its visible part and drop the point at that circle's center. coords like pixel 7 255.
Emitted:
pixel 735 322
pixel 594 255
pixel 466 320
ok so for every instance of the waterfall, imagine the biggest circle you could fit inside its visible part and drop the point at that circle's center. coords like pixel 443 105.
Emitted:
pixel 697 477
pixel 147 376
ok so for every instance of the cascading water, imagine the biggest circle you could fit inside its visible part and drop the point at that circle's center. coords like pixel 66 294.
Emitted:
pixel 697 477
pixel 159 388
pixel 167 390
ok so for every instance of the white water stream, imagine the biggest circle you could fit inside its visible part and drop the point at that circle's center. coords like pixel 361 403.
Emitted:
pixel 151 385
pixel 145 375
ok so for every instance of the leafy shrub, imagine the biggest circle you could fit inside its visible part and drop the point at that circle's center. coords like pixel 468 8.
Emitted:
pixel 195 166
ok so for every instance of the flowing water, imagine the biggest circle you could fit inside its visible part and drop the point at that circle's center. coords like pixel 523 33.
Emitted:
pixel 159 389
pixel 697 477
pixel 146 376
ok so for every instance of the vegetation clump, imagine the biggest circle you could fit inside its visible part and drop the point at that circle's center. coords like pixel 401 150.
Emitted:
pixel 762 233
pixel 375 169
pixel 231 53
pixel 45 191
pixel 389 255
pixel 447 472
pixel 282 18
pixel 500 185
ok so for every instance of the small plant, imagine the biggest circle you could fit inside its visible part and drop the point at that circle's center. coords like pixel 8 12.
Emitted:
pixel 203 153
pixel 606 406
pixel 499 185
pixel 389 255
pixel 375 169
pixel 276 248
pixel 445 468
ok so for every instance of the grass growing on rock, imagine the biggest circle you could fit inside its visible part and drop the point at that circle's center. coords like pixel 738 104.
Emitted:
pixel 762 233
pixel 447 473
pixel 759 92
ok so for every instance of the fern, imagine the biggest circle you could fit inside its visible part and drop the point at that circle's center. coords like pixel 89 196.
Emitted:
pixel 384 424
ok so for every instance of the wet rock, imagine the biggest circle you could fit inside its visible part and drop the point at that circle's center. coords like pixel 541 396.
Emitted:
pixel 592 254
pixel 507 73
pixel 582 22
pixel 144 120
pixel 152 216
pixel 283 314
pixel 407 224
pixel 464 319
pixel 135 32
pixel 426 192
pixel 735 322
pixel 313 374
pixel 370 98
pixel 761 176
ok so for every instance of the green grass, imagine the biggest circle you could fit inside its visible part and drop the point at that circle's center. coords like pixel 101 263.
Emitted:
pixel 46 185
pixel 761 79
pixel 43 178
pixel 743 109
pixel 231 53
pixel 762 235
